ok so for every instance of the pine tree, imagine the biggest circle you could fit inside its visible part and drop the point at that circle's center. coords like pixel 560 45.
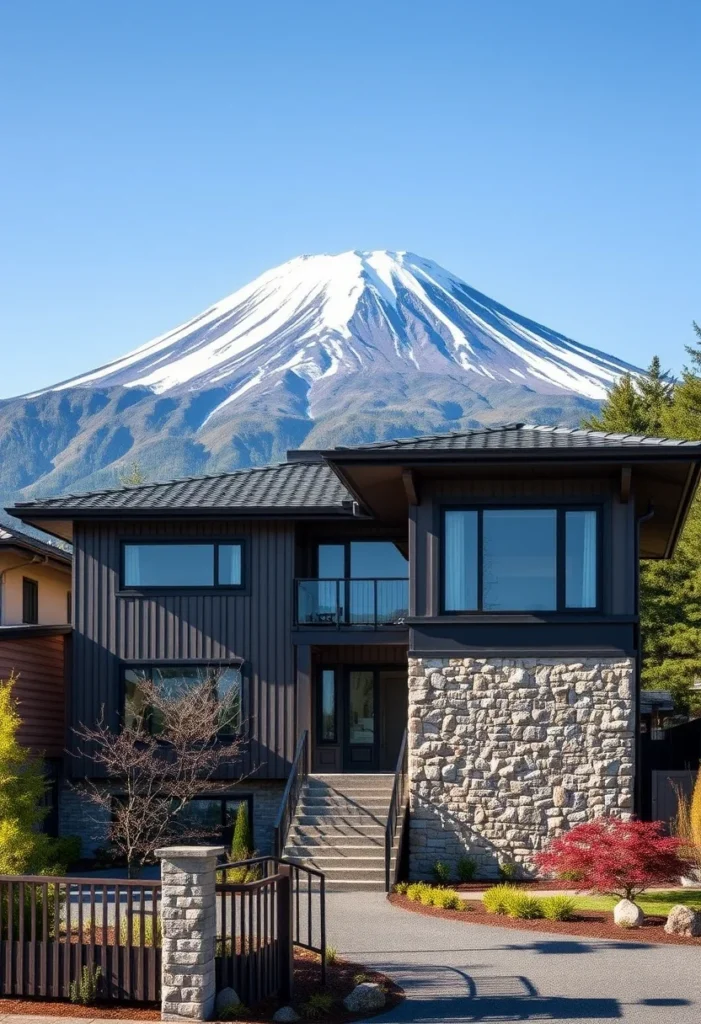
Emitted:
pixel 656 390
pixel 23 848
pixel 242 843
pixel 623 411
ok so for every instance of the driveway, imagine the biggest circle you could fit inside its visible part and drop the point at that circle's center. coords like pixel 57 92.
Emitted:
pixel 457 973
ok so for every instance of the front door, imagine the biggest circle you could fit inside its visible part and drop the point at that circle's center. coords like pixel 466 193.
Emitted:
pixel 361 720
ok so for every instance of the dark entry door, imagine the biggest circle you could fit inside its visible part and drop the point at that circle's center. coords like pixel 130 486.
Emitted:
pixel 361 720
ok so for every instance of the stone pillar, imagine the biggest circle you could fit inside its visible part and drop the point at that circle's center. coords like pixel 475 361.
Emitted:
pixel 189 923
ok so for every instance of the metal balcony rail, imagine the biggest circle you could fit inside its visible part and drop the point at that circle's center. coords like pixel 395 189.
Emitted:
pixel 344 603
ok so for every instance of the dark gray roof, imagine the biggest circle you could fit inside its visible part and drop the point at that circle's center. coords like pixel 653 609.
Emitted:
pixel 298 486
pixel 651 700
pixel 520 436
pixel 11 538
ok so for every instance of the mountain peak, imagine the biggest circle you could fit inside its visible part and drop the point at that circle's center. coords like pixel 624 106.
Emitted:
pixel 320 316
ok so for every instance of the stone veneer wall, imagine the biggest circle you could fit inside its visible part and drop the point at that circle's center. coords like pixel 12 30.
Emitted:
pixel 507 753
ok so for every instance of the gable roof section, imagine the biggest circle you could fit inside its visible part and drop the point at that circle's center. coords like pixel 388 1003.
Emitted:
pixel 517 437
pixel 285 488
pixel 11 538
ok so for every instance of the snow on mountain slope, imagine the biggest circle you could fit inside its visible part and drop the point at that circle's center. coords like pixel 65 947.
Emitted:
pixel 318 317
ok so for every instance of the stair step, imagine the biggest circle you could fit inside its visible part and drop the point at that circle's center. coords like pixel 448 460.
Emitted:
pixel 336 842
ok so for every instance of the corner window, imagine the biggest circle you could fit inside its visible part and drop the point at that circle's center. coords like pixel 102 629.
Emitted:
pixel 174 679
pixel 182 565
pixel 520 560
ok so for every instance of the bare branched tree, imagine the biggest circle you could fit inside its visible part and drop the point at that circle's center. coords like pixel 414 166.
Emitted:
pixel 170 748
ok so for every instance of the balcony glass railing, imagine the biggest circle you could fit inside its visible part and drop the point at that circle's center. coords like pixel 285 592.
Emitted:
pixel 352 602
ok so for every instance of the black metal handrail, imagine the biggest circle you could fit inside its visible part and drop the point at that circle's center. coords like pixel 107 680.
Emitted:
pixel 373 602
pixel 290 797
pixel 397 813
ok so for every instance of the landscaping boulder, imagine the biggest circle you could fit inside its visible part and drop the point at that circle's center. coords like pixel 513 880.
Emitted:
pixel 285 1015
pixel 364 998
pixel 627 914
pixel 684 921
pixel 226 1000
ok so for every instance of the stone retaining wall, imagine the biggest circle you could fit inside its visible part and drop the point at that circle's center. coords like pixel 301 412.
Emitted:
pixel 506 753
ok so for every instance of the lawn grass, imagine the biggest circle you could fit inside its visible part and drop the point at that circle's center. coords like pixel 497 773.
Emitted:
pixel 649 902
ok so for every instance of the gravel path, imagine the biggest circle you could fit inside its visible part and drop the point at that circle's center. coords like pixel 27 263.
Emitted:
pixel 457 973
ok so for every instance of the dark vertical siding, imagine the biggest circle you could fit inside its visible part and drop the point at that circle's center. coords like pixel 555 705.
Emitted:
pixel 253 625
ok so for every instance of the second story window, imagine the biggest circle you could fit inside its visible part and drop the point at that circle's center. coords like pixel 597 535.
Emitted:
pixel 30 601
pixel 520 560
pixel 182 565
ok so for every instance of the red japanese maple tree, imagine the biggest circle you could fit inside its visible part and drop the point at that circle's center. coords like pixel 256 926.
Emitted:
pixel 620 858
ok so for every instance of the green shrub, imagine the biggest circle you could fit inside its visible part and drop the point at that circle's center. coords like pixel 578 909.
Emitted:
pixel 359 979
pixel 466 869
pixel 401 888
pixel 507 871
pixel 234 1012
pixel 64 852
pixel 318 1006
pixel 331 955
pixel 441 872
pixel 136 931
pixel 559 908
pixel 447 899
pixel 417 890
pixel 497 899
pixel 85 990
pixel 525 907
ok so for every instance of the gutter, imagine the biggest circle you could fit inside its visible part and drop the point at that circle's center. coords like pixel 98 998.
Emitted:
pixel 36 560
pixel 638 743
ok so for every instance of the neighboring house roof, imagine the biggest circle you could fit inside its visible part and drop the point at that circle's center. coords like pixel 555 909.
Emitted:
pixel 17 539
pixel 655 700
pixel 285 488
pixel 518 436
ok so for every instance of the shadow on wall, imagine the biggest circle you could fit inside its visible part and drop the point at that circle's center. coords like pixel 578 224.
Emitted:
pixel 439 834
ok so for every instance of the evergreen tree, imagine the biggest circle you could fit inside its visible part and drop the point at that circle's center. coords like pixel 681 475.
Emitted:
pixel 623 411
pixel 656 390
pixel 242 843
pixel 23 848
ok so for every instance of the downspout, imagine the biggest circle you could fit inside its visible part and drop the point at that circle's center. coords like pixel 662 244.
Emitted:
pixel 638 794
pixel 36 560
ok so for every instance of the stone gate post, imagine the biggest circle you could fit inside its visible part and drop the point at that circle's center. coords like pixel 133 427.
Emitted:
pixel 189 929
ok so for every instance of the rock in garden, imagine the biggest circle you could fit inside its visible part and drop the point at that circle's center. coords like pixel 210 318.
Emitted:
pixel 226 999
pixel 285 1015
pixel 684 921
pixel 364 997
pixel 627 914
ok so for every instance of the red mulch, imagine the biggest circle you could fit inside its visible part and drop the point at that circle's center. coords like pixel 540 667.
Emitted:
pixel 339 982
pixel 596 924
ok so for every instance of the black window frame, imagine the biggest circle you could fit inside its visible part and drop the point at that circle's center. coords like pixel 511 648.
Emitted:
pixel 345 543
pixel 151 588
pixel 178 663
pixel 561 510
pixel 222 797
pixel 30 601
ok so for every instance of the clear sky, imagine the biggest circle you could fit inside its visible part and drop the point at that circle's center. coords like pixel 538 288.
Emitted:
pixel 158 155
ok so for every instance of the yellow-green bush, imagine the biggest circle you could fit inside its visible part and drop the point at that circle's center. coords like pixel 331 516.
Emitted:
pixel 525 907
pixel 559 908
pixel 497 899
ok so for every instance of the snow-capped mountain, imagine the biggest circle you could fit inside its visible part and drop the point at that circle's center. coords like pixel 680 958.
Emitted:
pixel 323 349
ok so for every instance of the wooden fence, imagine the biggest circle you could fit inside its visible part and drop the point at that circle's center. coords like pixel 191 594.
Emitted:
pixel 51 928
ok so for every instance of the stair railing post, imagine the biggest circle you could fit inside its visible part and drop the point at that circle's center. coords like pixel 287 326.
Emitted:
pixel 284 932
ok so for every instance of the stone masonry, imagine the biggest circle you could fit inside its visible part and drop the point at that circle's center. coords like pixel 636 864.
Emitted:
pixel 507 753
pixel 189 929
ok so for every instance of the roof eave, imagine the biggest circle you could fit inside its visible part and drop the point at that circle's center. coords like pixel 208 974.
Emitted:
pixel 650 453
pixel 29 512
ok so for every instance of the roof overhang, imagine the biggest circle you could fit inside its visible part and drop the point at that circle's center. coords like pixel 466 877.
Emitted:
pixel 659 479
pixel 60 560
pixel 27 632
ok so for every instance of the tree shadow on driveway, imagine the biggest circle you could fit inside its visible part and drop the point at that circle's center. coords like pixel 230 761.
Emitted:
pixel 560 946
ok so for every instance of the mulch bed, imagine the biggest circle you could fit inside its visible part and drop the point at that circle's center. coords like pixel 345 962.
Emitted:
pixel 596 924
pixel 339 982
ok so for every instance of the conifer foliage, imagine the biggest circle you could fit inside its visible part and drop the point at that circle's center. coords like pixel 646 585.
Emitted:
pixel 670 591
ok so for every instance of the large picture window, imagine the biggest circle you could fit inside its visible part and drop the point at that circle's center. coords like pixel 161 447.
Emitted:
pixel 174 679
pixel 520 559
pixel 183 564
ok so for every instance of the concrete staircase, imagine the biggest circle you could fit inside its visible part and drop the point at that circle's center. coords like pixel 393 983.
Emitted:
pixel 339 828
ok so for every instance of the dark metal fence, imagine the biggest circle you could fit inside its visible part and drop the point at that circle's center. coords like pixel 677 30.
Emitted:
pixel 370 603
pixel 260 922
pixel 397 817
pixel 53 927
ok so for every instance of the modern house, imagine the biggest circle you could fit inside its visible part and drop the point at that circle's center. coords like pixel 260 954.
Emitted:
pixel 35 615
pixel 448 621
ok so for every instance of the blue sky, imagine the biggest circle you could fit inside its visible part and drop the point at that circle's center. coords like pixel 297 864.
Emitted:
pixel 159 155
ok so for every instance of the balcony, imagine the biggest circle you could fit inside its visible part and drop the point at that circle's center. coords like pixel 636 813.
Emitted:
pixel 351 603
